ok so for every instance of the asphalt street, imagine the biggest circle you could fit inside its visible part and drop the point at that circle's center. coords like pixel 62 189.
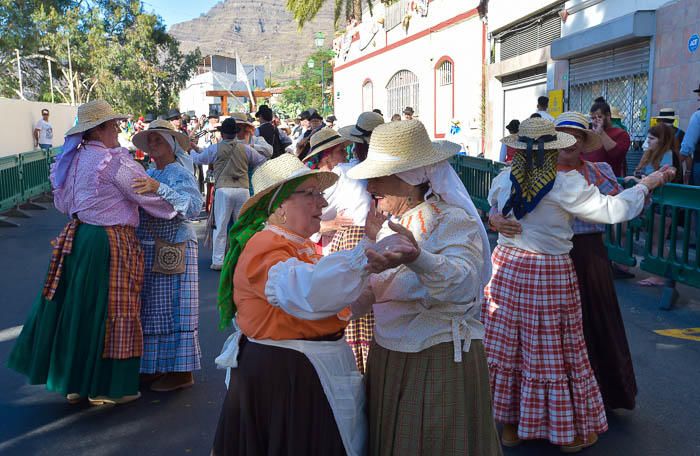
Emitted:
pixel 37 422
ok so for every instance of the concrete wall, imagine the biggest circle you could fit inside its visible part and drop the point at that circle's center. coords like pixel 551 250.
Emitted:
pixel 419 53
pixel 605 10
pixel 19 118
pixel 676 69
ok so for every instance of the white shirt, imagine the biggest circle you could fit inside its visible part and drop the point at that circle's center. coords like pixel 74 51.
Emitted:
pixel 45 132
pixel 548 228
pixel 546 115
pixel 348 195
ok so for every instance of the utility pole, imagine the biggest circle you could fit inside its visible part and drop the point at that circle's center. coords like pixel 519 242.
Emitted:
pixel 19 75
pixel 70 75
pixel 48 60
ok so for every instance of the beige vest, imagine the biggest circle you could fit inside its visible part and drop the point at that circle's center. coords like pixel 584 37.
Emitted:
pixel 231 165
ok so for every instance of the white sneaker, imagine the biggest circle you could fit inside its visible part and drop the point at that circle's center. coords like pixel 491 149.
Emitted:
pixel 215 267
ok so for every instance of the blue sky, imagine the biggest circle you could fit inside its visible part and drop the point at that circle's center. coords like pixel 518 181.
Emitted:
pixel 173 12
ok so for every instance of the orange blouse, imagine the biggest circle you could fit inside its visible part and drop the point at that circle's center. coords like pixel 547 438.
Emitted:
pixel 256 317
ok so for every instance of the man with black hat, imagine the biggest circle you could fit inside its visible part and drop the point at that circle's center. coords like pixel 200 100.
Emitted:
pixel 315 124
pixel 408 113
pixel 231 161
pixel 303 125
pixel 278 140
pixel 43 131
pixel 330 121
pixel 173 115
pixel 690 148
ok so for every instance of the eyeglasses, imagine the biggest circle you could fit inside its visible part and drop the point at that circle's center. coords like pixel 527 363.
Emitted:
pixel 313 193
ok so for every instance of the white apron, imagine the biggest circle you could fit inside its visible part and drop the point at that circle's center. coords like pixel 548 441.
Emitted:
pixel 336 369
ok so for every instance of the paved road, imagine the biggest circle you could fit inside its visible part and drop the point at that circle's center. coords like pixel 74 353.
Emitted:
pixel 36 422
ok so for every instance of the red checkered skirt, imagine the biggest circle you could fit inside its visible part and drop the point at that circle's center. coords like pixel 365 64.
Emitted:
pixel 538 366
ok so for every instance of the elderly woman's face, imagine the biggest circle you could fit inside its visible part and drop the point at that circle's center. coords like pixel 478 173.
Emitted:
pixel 573 152
pixel 391 194
pixel 303 209
pixel 333 157
pixel 158 148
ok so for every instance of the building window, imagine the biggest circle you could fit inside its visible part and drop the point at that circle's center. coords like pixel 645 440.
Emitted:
pixel 402 91
pixel 367 95
pixel 444 96
pixel 533 33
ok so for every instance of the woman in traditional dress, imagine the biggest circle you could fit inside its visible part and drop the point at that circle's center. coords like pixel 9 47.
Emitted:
pixel 541 380
pixel 294 387
pixel 353 200
pixel 170 302
pixel 83 336
pixel 427 378
pixel 603 327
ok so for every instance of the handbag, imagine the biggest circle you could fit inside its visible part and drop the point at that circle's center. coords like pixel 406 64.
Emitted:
pixel 168 257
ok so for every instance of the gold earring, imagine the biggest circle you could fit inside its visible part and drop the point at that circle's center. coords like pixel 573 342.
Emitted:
pixel 284 219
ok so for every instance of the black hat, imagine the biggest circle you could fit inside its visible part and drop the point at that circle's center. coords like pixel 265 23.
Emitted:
pixel 378 111
pixel 148 118
pixel 265 112
pixel 313 114
pixel 304 115
pixel 331 119
pixel 172 114
pixel 697 90
pixel 228 126
pixel 408 110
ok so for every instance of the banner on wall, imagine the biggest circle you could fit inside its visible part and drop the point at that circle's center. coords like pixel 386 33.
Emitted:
pixel 556 102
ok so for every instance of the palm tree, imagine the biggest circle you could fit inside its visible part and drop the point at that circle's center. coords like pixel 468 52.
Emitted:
pixel 305 10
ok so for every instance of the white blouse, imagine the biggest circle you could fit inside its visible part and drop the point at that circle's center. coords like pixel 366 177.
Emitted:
pixel 548 228
pixel 435 299
pixel 347 195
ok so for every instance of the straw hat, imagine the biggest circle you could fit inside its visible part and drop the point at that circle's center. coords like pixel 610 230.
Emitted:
pixel 615 113
pixel 242 118
pixel 401 146
pixel 360 132
pixel 577 121
pixel 140 139
pixel 273 173
pixel 323 139
pixel 92 114
pixel 535 128
pixel 667 113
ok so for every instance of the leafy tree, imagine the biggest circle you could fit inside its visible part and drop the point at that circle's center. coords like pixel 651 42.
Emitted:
pixel 305 10
pixel 306 92
pixel 109 49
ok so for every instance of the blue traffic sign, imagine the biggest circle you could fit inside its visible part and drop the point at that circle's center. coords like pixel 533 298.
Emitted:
pixel 693 42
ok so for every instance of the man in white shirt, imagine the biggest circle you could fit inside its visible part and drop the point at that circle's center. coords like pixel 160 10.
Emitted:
pixel 43 131
pixel 542 106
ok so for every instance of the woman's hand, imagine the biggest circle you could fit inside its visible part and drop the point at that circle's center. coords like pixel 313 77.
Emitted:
pixel 143 185
pixel 502 225
pixel 340 221
pixel 659 178
pixel 634 179
pixel 374 221
pixel 390 252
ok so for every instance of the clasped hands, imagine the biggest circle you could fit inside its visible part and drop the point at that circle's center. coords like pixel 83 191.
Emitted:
pixel 392 251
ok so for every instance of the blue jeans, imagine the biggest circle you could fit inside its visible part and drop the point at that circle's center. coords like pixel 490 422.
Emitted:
pixel 45 146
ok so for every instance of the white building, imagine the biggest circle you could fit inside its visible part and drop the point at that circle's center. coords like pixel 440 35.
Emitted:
pixel 218 73
pixel 428 55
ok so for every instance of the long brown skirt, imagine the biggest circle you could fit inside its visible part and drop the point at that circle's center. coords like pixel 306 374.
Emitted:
pixel 275 406
pixel 603 327
pixel 426 404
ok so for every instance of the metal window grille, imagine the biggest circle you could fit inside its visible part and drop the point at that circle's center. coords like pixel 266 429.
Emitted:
pixel 367 95
pixel 402 91
pixel 531 35
pixel 395 13
pixel 445 73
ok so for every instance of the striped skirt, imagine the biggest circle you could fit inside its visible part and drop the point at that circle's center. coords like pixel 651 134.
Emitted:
pixel 359 332
pixel 427 404
pixel 177 350
pixel 540 375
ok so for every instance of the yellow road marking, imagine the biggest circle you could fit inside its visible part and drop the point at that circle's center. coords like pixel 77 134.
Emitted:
pixel 682 333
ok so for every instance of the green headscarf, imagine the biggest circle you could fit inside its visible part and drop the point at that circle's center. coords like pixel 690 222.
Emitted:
pixel 250 222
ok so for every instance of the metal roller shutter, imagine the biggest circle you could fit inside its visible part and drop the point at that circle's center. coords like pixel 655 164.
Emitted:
pixel 614 63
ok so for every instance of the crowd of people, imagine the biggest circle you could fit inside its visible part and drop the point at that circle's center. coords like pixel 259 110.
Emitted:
pixel 367 312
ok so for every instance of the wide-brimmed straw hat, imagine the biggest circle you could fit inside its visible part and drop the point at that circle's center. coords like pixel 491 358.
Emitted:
pixel 92 114
pixel 536 128
pixel 361 131
pixel 140 139
pixel 396 147
pixel 578 121
pixel 242 118
pixel 286 168
pixel 667 113
pixel 323 139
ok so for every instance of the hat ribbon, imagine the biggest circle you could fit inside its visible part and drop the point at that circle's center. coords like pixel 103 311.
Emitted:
pixel 572 123
pixel 362 130
pixel 540 148
pixel 325 141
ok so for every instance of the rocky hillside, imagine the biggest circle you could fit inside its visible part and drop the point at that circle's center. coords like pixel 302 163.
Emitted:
pixel 256 29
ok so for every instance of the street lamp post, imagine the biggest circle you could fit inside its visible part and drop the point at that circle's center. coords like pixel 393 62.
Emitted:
pixel 319 39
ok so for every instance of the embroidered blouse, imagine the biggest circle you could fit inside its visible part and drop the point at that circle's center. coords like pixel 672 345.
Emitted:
pixel 434 299
pixel 548 228
pixel 98 188
pixel 179 188
pixel 284 290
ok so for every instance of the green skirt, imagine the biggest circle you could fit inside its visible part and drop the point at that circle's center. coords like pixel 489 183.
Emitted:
pixel 62 341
